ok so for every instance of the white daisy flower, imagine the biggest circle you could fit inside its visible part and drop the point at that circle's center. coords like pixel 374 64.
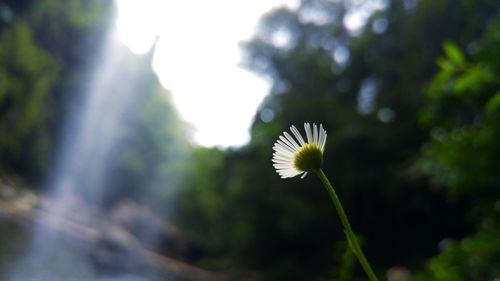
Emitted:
pixel 291 158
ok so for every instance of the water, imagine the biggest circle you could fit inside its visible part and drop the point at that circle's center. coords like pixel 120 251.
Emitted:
pixel 66 240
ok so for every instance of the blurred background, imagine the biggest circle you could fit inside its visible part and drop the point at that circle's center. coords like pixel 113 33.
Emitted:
pixel 136 139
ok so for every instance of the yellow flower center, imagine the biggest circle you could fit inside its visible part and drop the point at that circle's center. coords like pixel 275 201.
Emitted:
pixel 309 158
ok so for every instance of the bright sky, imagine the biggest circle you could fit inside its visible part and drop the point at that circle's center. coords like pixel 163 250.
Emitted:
pixel 198 57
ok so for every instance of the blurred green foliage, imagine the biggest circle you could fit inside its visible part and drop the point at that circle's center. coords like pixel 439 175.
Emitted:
pixel 40 76
pixel 27 74
pixel 463 155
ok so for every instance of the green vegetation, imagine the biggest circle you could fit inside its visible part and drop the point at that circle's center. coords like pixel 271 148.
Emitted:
pixel 463 154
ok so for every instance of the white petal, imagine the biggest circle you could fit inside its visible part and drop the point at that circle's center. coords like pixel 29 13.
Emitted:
pixel 283 157
pixel 315 134
pixel 307 127
pixel 323 143
pixel 288 170
pixel 281 162
pixel 287 142
pixel 292 141
pixel 322 138
pixel 281 148
pixel 286 155
pixel 280 158
pixel 285 146
pixel 290 174
pixel 281 166
pixel 297 134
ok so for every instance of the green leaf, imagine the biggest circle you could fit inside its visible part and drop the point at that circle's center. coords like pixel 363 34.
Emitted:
pixel 454 53
pixel 493 105
pixel 446 64
pixel 472 79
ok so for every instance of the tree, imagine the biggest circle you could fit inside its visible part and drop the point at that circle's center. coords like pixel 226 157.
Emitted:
pixel 462 110
pixel 28 74
pixel 42 68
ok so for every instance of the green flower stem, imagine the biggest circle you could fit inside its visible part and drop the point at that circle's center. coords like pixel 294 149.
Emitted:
pixel 351 237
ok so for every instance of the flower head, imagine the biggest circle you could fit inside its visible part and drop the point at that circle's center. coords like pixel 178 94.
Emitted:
pixel 291 158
